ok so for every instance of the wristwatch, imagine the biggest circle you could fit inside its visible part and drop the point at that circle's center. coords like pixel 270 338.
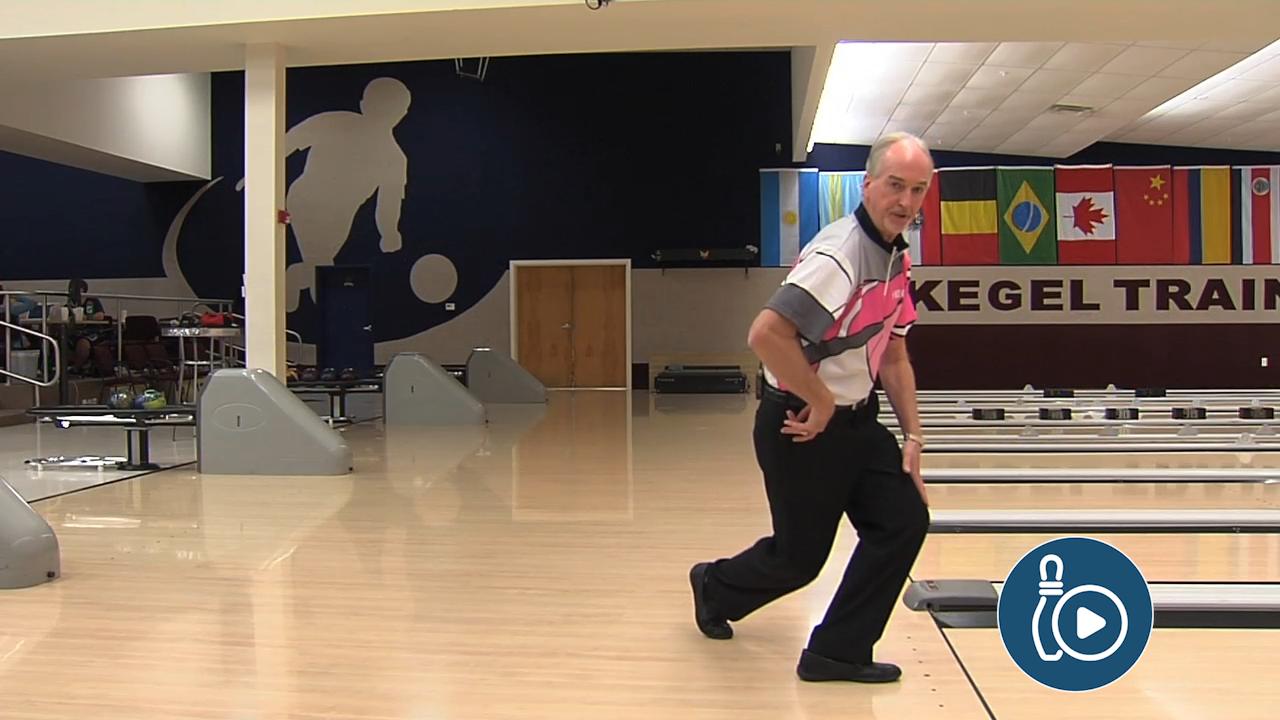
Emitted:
pixel 908 437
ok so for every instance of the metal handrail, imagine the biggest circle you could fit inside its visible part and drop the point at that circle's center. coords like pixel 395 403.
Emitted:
pixel 241 351
pixel 57 356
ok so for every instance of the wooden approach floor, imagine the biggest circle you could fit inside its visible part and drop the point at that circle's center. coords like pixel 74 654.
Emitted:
pixel 537 569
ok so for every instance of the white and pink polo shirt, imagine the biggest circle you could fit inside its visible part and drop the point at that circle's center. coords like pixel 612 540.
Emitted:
pixel 848 294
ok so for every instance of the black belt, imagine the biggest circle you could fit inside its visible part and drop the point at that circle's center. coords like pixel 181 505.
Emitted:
pixel 793 401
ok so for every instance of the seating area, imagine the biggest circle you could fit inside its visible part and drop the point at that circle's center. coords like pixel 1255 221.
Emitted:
pixel 131 348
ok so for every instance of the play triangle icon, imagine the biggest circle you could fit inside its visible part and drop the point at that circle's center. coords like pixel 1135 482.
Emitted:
pixel 1088 622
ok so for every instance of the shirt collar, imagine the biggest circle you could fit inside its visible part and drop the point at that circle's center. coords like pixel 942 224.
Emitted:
pixel 873 232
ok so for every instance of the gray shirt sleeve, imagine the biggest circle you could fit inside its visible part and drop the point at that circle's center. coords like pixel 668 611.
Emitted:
pixel 814 293
pixel 803 310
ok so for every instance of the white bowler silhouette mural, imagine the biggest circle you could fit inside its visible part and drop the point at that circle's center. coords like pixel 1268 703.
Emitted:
pixel 351 157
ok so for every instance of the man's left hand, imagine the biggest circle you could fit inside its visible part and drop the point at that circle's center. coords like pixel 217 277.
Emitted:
pixel 911 466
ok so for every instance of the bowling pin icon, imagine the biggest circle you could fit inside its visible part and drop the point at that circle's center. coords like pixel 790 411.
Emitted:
pixel 1048 589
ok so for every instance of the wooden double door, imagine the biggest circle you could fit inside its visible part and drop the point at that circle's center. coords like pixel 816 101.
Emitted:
pixel 571 324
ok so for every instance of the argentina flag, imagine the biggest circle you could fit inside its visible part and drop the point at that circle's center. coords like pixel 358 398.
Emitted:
pixel 788 214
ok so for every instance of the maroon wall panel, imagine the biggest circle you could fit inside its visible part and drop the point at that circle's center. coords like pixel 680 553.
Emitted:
pixel 1221 355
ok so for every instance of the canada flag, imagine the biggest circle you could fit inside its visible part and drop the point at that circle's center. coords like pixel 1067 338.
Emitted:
pixel 1086 214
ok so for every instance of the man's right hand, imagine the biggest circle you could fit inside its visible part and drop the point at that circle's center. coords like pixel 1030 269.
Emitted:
pixel 810 421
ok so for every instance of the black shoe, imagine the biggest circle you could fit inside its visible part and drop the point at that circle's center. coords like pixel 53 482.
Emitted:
pixel 816 668
pixel 711 625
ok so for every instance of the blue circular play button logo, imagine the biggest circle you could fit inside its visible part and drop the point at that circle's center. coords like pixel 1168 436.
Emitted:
pixel 1075 614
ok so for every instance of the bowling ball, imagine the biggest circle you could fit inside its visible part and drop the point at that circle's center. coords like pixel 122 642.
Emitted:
pixel 328 375
pixel 348 374
pixel 153 400
pixel 309 375
pixel 149 400
pixel 120 401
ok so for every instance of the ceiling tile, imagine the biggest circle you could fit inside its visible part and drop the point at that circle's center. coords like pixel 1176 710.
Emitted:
pixel 1268 69
pixel 994 77
pixel 952 131
pixel 1233 91
pixel 922 95
pixel 1271 117
pixel 1083 56
pixel 1167 123
pixel 873 106
pixel 1026 100
pixel 979 99
pixel 915 127
pixel 991 134
pixel 982 145
pixel 1067 145
pixel 1023 54
pixel 1270 97
pixel 916 112
pixel 1243 46
pixel 1046 81
pixel 1159 89
pixel 974 53
pixel 1139 60
pixel 1196 110
pixel 1108 85
pixel 1020 146
pixel 1126 108
pixel 948 74
pixel 1010 120
pixel 1058 122
pixel 1100 125
pixel 964 115
pixel 1201 64
pixel 1242 111
pixel 1092 101
pixel 1190 135
pixel 1143 135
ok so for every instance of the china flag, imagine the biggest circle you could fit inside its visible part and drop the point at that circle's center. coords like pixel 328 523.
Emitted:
pixel 1144 215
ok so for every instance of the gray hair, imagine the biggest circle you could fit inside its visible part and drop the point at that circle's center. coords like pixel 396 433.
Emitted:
pixel 882 146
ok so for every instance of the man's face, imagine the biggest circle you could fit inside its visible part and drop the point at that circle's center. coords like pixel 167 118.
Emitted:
pixel 894 196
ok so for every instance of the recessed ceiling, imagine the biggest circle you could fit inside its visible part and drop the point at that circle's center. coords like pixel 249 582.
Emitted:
pixel 1001 97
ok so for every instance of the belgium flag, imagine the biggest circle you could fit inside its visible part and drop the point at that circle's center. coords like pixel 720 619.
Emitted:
pixel 970 234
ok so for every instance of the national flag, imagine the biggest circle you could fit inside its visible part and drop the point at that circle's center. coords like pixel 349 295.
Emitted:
pixel 839 194
pixel 967 197
pixel 1258 225
pixel 1144 215
pixel 1202 215
pixel 788 214
pixel 1028 233
pixel 1086 214
pixel 926 236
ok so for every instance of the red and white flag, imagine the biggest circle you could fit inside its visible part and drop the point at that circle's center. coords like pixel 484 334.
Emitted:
pixel 1086 212
pixel 1260 214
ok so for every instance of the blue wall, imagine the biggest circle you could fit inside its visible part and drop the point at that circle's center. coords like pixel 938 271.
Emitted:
pixel 549 157
pixel 60 222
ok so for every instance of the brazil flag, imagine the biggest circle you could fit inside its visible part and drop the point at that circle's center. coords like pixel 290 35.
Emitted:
pixel 1025 202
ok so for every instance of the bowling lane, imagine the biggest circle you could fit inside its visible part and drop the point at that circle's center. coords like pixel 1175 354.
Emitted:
pixel 1174 557
pixel 1198 674
pixel 1101 460
pixel 1168 557
pixel 1089 495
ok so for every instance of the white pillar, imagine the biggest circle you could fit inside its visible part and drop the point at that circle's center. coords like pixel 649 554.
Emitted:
pixel 264 234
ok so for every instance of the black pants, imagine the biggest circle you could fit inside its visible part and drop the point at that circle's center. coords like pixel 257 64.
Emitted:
pixel 852 468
